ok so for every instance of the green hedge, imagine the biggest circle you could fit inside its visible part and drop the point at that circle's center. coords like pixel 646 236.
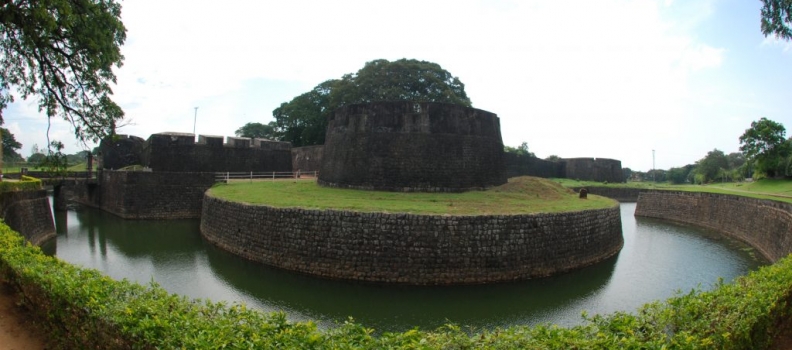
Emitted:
pixel 81 308
pixel 26 183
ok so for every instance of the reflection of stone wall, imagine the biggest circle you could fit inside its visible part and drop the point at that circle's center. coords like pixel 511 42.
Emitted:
pixel 407 146
pixel 308 158
pixel 594 169
pixel 174 152
pixel 763 224
pixel 145 195
pixel 28 212
pixel 413 249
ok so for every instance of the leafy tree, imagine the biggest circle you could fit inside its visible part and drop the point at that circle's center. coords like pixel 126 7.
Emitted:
pixel 303 120
pixel 521 150
pixel 656 175
pixel 63 52
pixel 258 130
pixel 764 146
pixel 777 18
pixel 627 173
pixel 55 162
pixel 680 175
pixel 36 158
pixel 553 158
pixel 736 160
pixel 712 166
pixel 10 146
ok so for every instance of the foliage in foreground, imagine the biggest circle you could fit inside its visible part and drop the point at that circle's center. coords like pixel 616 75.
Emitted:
pixel 81 308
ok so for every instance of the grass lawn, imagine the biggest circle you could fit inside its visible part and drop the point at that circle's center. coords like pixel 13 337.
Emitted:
pixel 16 168
pixel 519 196
pixel 774 189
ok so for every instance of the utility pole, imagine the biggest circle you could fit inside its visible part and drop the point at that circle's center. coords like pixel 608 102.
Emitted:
pixel 653 166
pixel 195 119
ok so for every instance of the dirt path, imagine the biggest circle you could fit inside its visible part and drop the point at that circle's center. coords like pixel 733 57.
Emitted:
pixel 16 330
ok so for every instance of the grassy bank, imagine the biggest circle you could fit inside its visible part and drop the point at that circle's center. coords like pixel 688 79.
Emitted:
pixel 773 189
pixel 519 196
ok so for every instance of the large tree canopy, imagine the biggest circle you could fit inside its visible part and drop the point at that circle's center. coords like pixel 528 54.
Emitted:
pixel 764 145
pixel 713 166
pixel 63 52
pixel 303 120
pixel 10 146
pixel 258 130
pixel 777 18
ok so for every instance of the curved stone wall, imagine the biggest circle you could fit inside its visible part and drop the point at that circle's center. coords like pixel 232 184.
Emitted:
pixel 409 146
pixel 413 249
pixel 763 224
pixel 29 213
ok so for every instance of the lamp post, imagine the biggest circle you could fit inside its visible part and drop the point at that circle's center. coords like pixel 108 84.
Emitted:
pixel 653 166
pixel 195 119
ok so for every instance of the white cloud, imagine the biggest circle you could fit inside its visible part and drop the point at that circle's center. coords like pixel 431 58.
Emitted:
pixel 574 78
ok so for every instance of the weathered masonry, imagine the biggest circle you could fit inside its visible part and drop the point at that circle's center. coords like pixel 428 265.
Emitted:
pixel 413 249
pixel 28 212
pixel 411 146
pixel 763 224
pixel 178 152
pixel 143 194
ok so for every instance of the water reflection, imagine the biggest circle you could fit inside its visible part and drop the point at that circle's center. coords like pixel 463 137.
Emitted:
pixel 658 259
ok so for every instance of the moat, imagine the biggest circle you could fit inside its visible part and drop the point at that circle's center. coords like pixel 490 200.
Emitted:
pixel 658 259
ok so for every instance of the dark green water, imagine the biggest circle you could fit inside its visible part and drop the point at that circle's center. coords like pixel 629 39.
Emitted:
pixel 658 259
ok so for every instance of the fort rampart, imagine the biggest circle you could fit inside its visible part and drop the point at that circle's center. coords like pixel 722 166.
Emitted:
pixel 594 169
pixel 519 165
pixel 763 224
pixel 308 158
pixel 409 146
pixel 413 249
pixel 144 195
pixel 178 152
pixel 172 152
pixel 28 212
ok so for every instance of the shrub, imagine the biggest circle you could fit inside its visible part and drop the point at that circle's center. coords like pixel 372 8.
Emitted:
pixel 26 183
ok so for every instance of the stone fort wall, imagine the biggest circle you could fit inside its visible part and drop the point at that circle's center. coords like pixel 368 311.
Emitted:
pixel 413 249
pixel 594 169
pixel 519 165
pixel 144 195
pixel 763 224
pixel 308 158
pixel 178 152
pixel 173 152
pixel 408 146
pixel 29 213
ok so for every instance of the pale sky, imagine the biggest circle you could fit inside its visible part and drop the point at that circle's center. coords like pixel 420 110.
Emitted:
pixel 607 78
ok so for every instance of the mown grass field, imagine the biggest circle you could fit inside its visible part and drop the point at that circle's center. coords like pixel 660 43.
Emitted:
pixel 16 168
pixel 519 196
pixel 775 189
